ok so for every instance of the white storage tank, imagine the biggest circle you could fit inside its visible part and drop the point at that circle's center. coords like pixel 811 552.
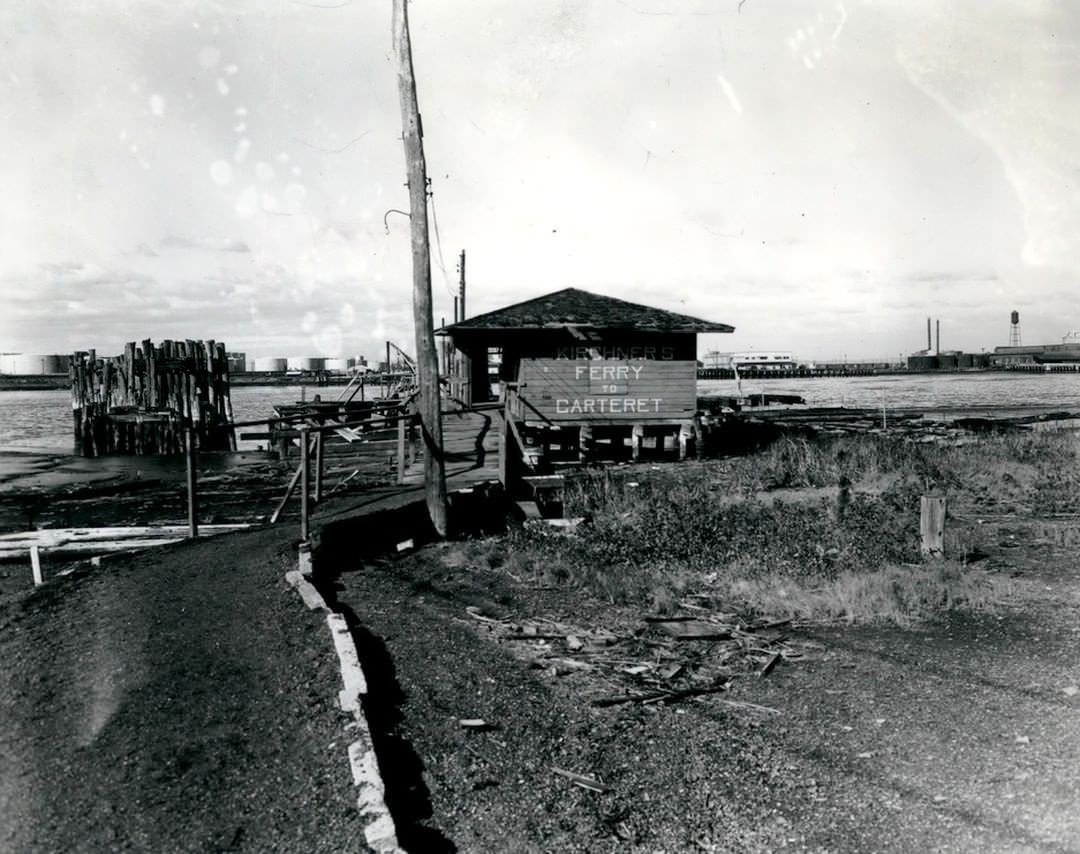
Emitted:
pixel 307 363
pixel 338 366
pixel 271 364
pixel 35 364
pixel 237 362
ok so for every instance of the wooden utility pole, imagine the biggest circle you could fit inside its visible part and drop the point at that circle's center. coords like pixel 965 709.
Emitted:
pixel 461 269
pixel 427 368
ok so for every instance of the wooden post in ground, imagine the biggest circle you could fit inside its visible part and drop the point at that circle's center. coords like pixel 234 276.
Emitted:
pixel 305 452
pixel 35 566
pixel 318 465
pixel 932 526
pixel 192 495
pixel 401 447
pixel 427 368
pixel 685 432
pixel 585 442
pixel 505 449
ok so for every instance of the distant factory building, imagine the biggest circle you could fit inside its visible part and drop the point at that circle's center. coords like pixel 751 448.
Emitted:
pixel 768 361
pixel 1038 354
pixel 933 358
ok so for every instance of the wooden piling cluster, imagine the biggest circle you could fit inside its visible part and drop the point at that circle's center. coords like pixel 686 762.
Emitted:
pixel 141 401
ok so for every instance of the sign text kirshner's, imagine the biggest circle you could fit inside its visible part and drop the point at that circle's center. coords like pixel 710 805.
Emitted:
pixel 666 354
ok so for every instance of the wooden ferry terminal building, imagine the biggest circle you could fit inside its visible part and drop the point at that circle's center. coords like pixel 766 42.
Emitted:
pixel 586 375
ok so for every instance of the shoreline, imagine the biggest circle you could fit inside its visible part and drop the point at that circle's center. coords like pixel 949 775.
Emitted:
pixel 54 382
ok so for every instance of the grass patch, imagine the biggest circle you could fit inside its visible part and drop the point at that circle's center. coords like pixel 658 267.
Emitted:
pixel 847 550
pixel 895 594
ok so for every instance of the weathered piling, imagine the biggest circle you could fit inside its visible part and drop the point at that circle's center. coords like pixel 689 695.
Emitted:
pixel 141 401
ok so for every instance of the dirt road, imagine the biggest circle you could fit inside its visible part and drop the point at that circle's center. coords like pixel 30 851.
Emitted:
pixel 182 700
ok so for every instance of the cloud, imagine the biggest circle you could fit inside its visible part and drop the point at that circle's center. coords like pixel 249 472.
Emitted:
pixel 210 244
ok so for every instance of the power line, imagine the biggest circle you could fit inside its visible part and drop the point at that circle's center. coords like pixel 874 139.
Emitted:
pixel 438 246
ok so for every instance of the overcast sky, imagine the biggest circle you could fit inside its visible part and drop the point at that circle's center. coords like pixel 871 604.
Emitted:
pixel 821 175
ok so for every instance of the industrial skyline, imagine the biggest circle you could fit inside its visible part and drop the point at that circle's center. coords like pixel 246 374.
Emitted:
pixel 820 175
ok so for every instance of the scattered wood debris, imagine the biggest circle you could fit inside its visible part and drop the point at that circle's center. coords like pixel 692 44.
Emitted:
pixel 590 783
pixel 769 665
pixel 694 630
pixel 476 724
pixel 655 659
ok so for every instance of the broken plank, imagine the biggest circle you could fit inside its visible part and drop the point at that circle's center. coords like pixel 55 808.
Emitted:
pixel 653 696
pixel 742 704
pixel 581 780
pixel 694 630
pixel 774 659
pixel 51 537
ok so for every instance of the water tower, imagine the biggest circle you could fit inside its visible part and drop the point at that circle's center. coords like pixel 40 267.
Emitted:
pixel 1014 329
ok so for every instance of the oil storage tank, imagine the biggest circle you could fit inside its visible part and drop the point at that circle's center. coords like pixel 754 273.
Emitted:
pixel 271 364
pixel 33 364
pixel 307 363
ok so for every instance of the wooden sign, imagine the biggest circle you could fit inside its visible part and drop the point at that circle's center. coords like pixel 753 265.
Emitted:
pixel 581 384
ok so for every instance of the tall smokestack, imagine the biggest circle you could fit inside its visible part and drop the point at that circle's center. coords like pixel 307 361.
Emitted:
pixel 929 340
pixel 938 348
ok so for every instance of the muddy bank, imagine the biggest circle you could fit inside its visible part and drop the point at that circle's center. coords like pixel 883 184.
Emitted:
pixel 41 490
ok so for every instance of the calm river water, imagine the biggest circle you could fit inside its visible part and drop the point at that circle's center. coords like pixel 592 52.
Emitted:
pixel 41 420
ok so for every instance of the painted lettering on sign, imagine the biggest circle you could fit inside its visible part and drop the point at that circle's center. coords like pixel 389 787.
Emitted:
pixel 666 354
pixel 605 405
pixel 612 390
pixel 608 372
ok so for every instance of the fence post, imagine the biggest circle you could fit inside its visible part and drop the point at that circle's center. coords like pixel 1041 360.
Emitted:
pixel 401 447
pixel 305 455
pixel 637 433
pixel 193 499
pixel 932 526
pixel 318 465
pixel 35 566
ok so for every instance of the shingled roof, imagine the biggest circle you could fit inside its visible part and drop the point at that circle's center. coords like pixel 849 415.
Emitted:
pixel 583 310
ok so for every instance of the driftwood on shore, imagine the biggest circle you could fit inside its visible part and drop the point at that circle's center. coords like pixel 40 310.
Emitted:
pixel 59 542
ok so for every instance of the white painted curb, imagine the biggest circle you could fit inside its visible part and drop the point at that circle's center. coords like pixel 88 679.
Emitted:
pixel 312 598
pixel 352 676
pixel 379 829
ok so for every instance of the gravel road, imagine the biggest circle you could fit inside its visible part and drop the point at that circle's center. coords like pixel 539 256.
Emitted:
pixel 182 700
